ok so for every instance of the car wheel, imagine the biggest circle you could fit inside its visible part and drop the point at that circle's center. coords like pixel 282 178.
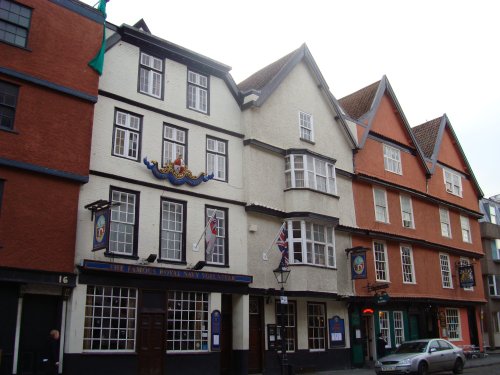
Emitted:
pixel 458 368
pixel 423 369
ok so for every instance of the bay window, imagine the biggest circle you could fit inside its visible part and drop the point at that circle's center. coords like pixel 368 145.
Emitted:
pixel 307 171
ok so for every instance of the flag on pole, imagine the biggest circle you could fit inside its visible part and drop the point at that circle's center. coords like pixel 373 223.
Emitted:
pixel 97 63
pixel 210 235
pixel 282 243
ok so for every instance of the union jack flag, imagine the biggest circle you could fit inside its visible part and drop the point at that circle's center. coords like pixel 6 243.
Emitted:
pixel 282 242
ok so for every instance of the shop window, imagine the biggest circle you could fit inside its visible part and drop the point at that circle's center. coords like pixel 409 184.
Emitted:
pixel 110 319
pixel 187 322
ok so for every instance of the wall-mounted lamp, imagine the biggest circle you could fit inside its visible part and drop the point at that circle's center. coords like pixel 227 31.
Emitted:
pixel 198 266
pixel 150 259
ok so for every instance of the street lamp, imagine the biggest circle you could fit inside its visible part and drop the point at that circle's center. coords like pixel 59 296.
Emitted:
pixel 281 273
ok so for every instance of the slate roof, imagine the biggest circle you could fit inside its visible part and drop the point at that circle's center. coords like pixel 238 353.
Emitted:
pixel 260 79
pixel 426 135
pixel 358 103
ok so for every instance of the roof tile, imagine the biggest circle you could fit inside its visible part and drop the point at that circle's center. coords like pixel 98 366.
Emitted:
pixel 359 102
pixel 426 135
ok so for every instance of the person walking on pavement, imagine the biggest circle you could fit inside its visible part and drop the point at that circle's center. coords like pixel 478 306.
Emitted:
pixel 381 343
pixel 53 352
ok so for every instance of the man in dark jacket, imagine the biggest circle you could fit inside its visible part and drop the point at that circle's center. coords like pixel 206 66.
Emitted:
pixel 381 343
pixel 53 352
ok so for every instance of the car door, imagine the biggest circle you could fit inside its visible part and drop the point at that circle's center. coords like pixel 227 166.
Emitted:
pixel 434 356
pixel 448 356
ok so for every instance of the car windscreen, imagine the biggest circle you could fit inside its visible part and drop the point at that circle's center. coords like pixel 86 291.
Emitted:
pixel 412 347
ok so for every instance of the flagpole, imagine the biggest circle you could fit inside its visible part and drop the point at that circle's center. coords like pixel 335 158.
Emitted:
pixel 195 245
pixel 264 254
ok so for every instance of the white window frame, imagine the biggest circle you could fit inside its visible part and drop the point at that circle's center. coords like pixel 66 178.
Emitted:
pixel 392 159
pixel 174 143
pixel 452 182
pixel 380 260
pixel 306 171
pixel 311 243
pixel 150 75
pixel 493 214
pixel 446 276
pixel 217 158
pixel 384 325
pixel 399 328
pixel 465 226
pixel 316 333
pixel 172 243
pixel 219 253
pixel 188 318
pixel 444 219
pixel 407 211
pixel 380 205
pixel 407 264
pixel 197 96
pixel 306 126
pixel 290 315
pixel 453 325
pixel 494 283
pixel 466 262
pixel 495 249
pixel 127 131
pixel 123 221
pixel 104 305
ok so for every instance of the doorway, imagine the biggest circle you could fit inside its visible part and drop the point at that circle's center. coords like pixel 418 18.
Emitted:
pixel 474 337
pixel 41 314
pixel 150 350
pixel 255 339
pixel 368 337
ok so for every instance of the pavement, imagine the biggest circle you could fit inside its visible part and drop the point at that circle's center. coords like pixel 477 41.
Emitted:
pixel 488 359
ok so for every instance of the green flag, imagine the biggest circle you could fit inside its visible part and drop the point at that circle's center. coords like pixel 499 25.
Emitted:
pixel 97 62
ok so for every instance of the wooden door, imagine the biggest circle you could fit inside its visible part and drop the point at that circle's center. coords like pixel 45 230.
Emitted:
pixel 151 343
pixel 255 340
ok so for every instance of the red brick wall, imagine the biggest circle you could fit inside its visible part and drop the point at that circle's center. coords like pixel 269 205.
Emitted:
pixel 51 130
pixel 38 221
pixel 60 45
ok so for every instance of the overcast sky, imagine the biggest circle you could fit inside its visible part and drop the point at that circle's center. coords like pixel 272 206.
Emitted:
pixel 440 56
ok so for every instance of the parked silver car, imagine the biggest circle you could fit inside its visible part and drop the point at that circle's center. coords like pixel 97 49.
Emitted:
pixel 422 357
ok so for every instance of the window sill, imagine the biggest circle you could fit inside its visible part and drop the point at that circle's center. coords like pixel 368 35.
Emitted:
pixel 126 158
pixel 308 141
pixel 174 262
pixel 206 113
pixel 122 256
pixel 16 45
pixel 8 130
pixel 216 265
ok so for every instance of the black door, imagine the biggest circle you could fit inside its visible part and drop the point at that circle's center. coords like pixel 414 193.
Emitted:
pixel 474 339
pixel 41 314
pixel 226 336
pixel 151 346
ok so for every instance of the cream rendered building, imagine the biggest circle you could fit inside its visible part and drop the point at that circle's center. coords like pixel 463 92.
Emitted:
pixel 298 162
pixel 145 304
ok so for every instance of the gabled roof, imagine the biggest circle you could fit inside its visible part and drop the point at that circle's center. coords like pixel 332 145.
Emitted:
pixel 360 102
pixel 426 135
pixel 264 82
pixel 141 25
pixel 430 136
pixel 363 105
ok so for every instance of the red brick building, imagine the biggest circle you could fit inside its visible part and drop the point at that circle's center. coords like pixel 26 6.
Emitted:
pixel 417 212
pixel 47 96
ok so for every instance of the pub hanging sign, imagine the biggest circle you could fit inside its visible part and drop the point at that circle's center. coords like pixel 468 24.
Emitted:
pixel 466 276
pixel 101 229
pixel 358 265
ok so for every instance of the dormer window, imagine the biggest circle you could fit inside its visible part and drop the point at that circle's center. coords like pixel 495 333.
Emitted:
pixel 453 182
pixel 392 159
